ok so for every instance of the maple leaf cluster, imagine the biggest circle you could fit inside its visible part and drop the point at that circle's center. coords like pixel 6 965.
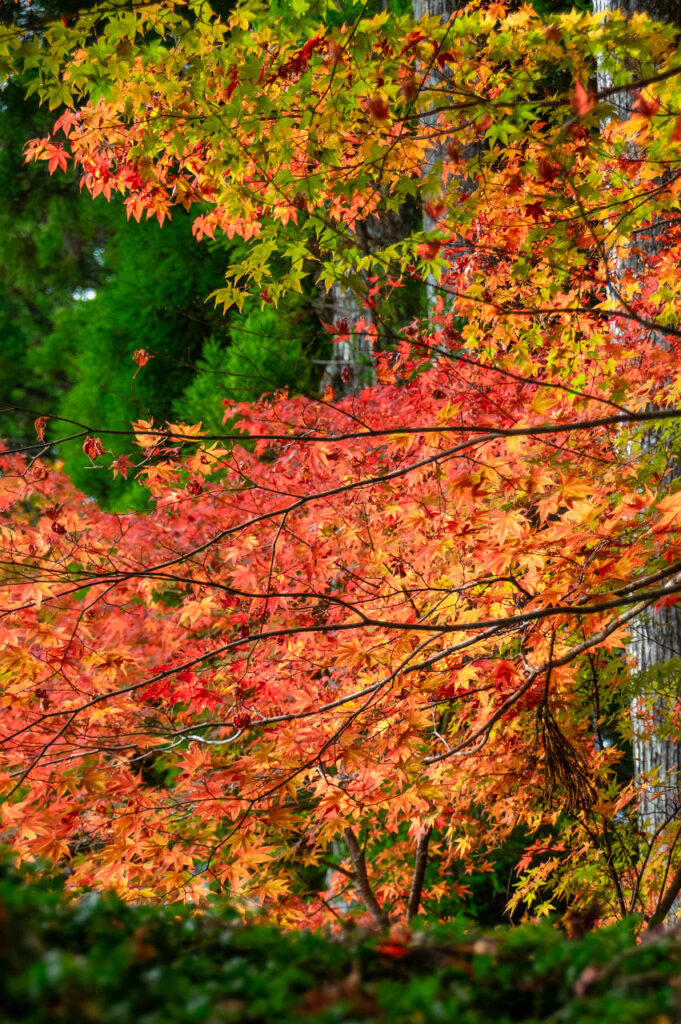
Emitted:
pixel 396 621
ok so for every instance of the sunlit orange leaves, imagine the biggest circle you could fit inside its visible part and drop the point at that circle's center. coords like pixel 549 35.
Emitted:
pixel 367 632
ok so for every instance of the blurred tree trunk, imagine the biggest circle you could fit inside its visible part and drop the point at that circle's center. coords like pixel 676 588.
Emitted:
pixel 351 365
pixel 442 9
pixel 662 10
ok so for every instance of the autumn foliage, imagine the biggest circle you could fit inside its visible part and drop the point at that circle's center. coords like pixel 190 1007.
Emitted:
pixel 355 643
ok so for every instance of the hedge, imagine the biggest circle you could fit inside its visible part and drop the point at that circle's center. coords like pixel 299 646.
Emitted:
pixel 100 960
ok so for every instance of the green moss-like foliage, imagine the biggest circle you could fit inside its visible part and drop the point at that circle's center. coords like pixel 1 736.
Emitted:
pixel 98 959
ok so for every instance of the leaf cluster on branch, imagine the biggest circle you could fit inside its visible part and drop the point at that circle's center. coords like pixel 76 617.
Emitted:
pixel 390 624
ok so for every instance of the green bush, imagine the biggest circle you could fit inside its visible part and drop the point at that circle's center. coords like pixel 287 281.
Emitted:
pixel 98 959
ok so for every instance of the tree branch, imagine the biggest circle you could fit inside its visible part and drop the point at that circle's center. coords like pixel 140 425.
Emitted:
pixel 420 862
pixel 362 881
pixel 665 904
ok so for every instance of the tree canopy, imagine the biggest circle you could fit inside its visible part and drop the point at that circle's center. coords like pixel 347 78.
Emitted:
pixel 357 641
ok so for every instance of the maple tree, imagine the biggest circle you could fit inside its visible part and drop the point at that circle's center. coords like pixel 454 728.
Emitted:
pixel 359 640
